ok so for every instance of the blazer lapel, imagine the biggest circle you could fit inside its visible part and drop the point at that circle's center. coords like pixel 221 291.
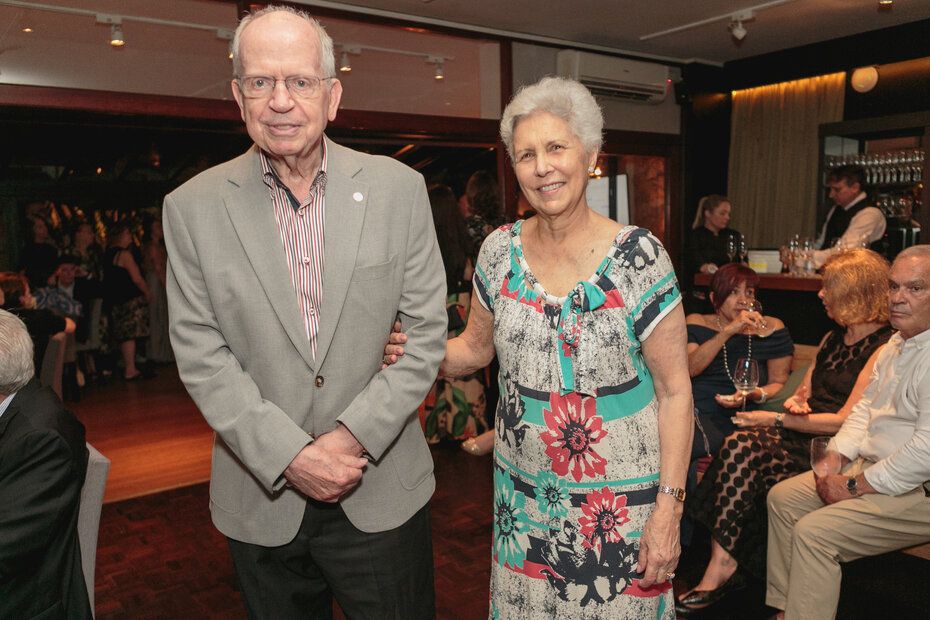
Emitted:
pixel 250 210
pixel 346 202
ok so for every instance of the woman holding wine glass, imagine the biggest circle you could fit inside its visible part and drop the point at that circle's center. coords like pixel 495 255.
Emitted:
pixel 715 343
pixel 769 446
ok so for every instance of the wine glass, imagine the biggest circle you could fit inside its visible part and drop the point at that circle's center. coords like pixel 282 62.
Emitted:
pixel 746 377
pixel 824 461
pixel 763 329
pixel 743 249
pixel 731 247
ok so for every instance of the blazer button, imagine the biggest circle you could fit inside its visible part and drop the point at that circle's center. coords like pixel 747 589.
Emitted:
pixel 319 381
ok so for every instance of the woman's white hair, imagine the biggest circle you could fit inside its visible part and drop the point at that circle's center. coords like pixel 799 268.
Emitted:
pixel 327 56
pixel 16 365
pixel 562 97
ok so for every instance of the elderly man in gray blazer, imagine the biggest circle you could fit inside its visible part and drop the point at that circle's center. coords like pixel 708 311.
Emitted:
pixel 287 268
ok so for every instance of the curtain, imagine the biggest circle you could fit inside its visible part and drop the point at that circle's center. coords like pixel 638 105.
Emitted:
pixel 774 152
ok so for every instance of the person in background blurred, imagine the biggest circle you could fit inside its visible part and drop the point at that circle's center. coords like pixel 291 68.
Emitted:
pixel 457 407
pixel 484 207
pixel 40 255
pixel 88 252
pixel 42 324
pixel 154 262
pixel 706 249
pixel 853 220
pixel 126 297
pixel 769 446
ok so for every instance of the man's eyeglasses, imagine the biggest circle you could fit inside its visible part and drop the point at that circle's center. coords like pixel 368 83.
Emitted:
pixel 262 86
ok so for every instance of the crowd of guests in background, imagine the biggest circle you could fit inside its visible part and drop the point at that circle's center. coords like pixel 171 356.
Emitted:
pixel 66 282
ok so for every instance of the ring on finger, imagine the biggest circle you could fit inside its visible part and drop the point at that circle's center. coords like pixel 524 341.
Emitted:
pixel 669 576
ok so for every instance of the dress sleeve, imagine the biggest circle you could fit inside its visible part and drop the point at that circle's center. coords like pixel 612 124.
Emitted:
pixel 646 280
pixel 495 252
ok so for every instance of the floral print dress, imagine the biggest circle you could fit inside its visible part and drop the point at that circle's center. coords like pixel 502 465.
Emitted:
pixel 576 459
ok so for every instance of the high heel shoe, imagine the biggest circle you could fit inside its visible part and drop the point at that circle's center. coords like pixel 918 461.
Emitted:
pixel 472 446
pixel 699 600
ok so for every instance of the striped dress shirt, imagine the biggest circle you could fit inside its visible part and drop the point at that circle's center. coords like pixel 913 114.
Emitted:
pixel 300 224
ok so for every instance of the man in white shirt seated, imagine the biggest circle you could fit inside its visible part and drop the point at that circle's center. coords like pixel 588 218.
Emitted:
pixel 881 500
pixel 852 219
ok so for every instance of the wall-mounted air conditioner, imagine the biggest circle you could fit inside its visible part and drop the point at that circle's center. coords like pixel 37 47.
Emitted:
pixel 619 78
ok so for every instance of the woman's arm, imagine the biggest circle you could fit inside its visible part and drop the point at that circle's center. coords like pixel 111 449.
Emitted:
pixel 816 423
pixel 797 402
pixel 662 350
pixel 474 349
pixel 700 356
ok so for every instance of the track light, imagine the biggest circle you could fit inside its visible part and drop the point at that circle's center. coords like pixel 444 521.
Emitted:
pixel 344 65
pixel 438 74
pixel 116 35
pixel 737 29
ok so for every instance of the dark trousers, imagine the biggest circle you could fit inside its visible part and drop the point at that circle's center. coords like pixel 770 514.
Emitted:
pixel 372 575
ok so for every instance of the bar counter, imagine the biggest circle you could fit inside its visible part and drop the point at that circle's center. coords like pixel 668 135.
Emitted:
pixel 775 282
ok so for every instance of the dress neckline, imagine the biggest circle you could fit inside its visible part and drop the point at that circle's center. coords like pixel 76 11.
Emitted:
pixel 517 244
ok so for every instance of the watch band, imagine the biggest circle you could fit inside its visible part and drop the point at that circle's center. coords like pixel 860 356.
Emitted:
pixel 763 398
pixel 678 494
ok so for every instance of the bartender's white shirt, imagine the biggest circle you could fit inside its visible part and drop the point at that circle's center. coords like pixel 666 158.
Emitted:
pixel 890 425
pixel 868 223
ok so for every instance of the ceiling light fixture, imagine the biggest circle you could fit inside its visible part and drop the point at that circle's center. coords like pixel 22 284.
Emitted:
pixel 737 29
pixel 116 35
pixel 738 16
pixel 344 65
pixel 27 29
pixel 438 73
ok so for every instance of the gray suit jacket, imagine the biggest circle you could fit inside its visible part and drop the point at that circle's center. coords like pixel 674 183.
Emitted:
pixel 242 348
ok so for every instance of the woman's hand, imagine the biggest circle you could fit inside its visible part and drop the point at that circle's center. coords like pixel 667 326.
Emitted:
pixel 745 321
pixel 660 545
pixel 745 419
pixel 393 350
pixel 730 401
pixel 797 402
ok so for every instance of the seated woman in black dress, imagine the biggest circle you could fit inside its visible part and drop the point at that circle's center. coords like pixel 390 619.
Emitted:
pixel 768 447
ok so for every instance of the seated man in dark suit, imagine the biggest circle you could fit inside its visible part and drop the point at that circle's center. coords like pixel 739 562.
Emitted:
pixel 43 460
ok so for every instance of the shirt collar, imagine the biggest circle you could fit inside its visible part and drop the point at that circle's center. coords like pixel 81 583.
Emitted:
pixel 6 403
pixel 919 341
pixel 855 201
pixel 272 180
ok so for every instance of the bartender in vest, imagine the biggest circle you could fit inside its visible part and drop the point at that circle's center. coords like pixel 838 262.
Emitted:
pixel 852 218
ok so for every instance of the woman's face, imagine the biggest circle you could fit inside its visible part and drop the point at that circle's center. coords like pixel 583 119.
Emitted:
pixel 84 236
pixel 39 230
pixel 551 164
pixel 719 218
pixel 738 300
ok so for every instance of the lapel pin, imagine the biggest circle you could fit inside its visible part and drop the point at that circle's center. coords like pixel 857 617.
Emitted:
pixel 357 196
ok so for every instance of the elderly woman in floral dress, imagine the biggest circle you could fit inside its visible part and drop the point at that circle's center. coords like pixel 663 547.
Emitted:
pixel 593 427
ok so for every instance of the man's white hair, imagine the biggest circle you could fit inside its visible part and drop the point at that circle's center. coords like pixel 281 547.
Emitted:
pixel 16 365
pixel 327 56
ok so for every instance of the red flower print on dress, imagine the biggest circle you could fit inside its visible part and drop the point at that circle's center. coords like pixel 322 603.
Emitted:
pixel 604 513
pixel 573 429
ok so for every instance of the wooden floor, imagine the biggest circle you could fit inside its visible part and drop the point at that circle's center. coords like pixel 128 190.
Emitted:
pixel 150 430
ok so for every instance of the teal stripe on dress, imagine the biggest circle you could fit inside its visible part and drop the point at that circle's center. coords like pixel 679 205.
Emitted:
pixel 597 485
pixel 652 290
pixel 610 407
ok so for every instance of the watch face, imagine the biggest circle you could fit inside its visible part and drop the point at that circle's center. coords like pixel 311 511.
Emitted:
pixel 851 485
